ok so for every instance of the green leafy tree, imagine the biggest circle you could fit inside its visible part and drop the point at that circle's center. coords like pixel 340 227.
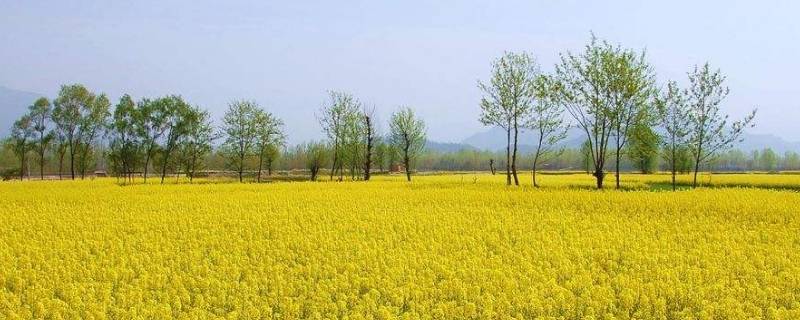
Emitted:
pixel 673 118
pixel 546 120
pixel 40 113
pixel 125 140
pixel 22 133
pixel 709 129
pixel 269 137
pixel 643 148
pixel 240 129
pixel 585 85
pixel 339 119
pixel 508 99
pixel 195 144
pixel 407 134
pixel 70 111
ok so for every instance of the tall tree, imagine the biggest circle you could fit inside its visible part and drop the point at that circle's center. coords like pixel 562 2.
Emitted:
pixel 195 144
pixel 69 115
pixel 240 130
pixel 584 92
pixel 22 132
pixel 675 123
pixel 368 118
pixel 269 136
pixel 125 140
pixel 710 132
pixel 92 124
pixel 630 92
pixel 40 113
pixel 151 126
pixel 180 116
pixel 546 120
pixel 337 119
pixel 507 100
pixel 408 136
pixel 642 147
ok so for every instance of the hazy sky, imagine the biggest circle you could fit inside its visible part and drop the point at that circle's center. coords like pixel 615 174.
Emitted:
pixel 424 54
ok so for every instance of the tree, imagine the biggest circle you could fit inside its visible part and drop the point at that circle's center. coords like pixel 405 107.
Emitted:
pixel 151 126
pixel 507 100
pixel 92 124
pixel 195 144
pixel 381 153
pixel 269 136
pixel 22 132
pixel 583 91
pixel 674 120
pixel 368 118
pixel 69 115
pixel 180 116
pixel 40 113
pixel 642 147
pixel 630 90
pixel 315 157
pixel 240 130
pixel 125 140
pixel 545 119
pixel 408 136
pixel 709 130
pixel 337 119
pixel 768 160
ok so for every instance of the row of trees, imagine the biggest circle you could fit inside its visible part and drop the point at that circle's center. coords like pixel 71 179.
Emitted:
pixel 169 135
pixel 610 94
pixel 355 142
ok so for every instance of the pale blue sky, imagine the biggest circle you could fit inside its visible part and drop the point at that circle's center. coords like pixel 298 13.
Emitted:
pixel 426 54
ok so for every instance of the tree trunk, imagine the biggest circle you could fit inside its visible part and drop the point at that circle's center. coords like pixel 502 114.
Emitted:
pixel 61 166
pixel 599 175
pixel 508 156
pixel 514 156
pixel 260 164
pixel 408 169
pixel 535 161
pixel 616 172
pixel 22 166
pixel 72 162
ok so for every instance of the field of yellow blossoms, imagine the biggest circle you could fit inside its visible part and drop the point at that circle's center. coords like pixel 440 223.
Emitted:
pixel 451 246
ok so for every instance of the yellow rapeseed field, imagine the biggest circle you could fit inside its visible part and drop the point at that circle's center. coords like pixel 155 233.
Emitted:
pixel 453 246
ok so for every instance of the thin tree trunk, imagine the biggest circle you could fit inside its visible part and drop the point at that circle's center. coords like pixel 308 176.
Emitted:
pixel 22 166
pixel 508 156
pixel 72 161
pixel 535 162
pixel 617 167
pixel 260 164
pixel 514 155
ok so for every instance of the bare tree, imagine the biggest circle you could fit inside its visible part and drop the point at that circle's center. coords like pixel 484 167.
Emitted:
pixel 507 101
pixel 240 130
pixel 546 120
pixel 675 123
pixel 408 136
pixel 368 117
pixel 710 132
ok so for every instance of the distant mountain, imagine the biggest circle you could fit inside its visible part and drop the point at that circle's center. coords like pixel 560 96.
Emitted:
pixel 13 104
pixel 760 141
pixel 494 139
pixel 446 146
